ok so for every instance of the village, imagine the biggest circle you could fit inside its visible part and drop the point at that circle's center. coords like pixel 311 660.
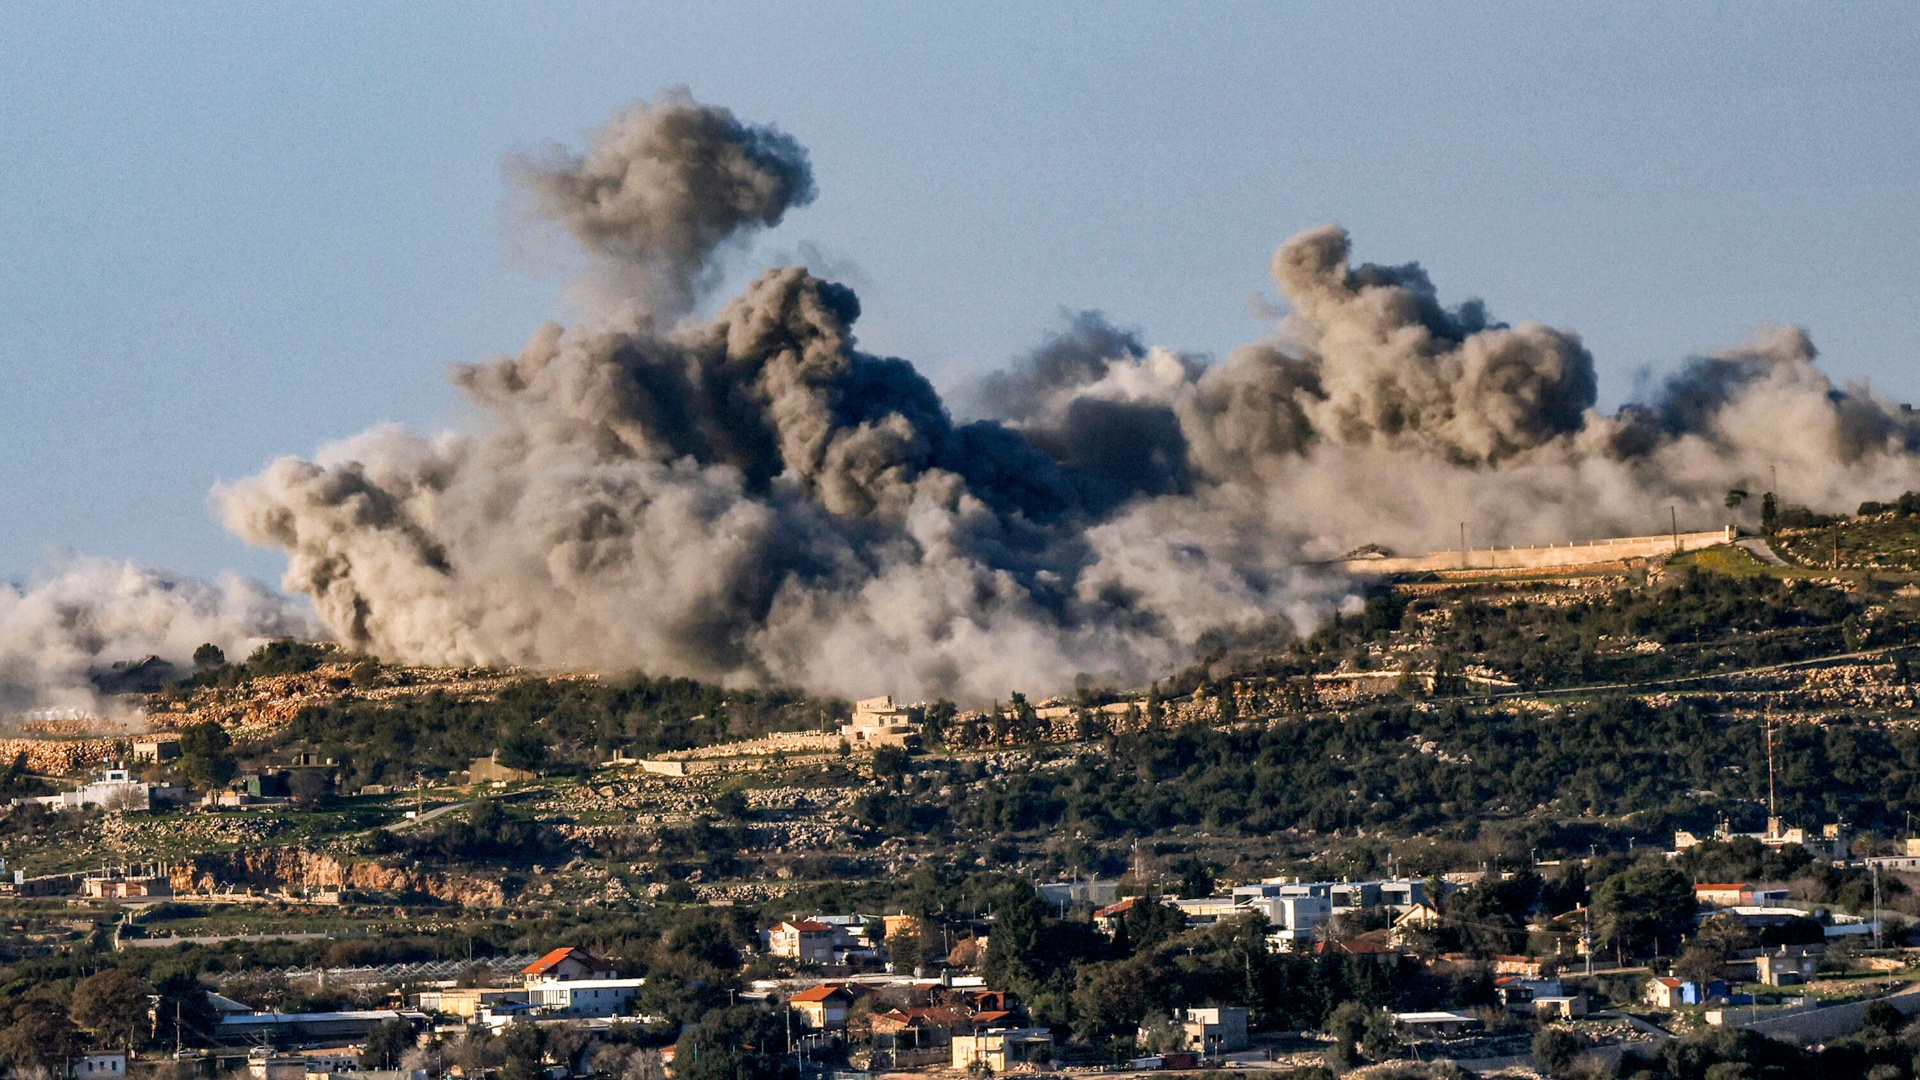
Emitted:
pixel 865 994
pixel 313 863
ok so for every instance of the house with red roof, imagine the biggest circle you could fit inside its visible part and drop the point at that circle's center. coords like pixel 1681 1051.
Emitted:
pixel 806 941
pixel 1727 894
pixel 1109 918
pixel 824 1007
pixel 1665 992
pixel 567 965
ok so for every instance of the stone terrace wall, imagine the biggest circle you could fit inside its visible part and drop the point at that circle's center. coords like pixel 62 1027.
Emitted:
pixel 1592 553
pixel 58 757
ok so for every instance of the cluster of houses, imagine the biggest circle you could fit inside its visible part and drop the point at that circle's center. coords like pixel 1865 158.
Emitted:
pixel 120 790
pixel 1295 910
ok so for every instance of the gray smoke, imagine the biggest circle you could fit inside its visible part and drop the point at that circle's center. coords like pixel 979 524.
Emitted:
pixel 663 188
pixel 84 614
pixel 756 500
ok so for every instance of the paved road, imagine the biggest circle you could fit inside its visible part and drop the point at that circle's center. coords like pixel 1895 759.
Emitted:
pixel 407 823
pixel 1761 550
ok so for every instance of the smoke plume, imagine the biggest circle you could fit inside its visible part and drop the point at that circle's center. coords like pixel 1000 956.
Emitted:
pixel 70 624
pixel 754 499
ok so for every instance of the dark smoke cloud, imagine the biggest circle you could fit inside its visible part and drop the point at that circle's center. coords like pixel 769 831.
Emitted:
pixel 663 187
pixel 756 499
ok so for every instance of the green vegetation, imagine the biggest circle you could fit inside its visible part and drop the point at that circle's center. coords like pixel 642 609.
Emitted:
pixel 559 724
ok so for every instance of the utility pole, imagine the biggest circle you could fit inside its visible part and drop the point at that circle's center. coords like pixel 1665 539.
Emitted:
pixel 1673 520
pixel 1874 869
pixel 1586 937
pixel 1773 804
pixel 1466 562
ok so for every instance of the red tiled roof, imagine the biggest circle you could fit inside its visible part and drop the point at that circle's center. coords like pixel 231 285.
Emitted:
pixel 1730 887
pixel 806 926
pixel 552 960
pixel 1670 982
pixel 818 993
pixel 1120 908
pixel 992 1017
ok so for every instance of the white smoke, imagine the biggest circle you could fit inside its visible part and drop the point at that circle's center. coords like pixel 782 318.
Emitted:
pixel 83 614
pixel 756 500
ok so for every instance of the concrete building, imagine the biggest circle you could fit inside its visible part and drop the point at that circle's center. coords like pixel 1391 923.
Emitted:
pixel 1432 1025
pixel 1215 1030
pixel 1787 965
pixel 879 722
pixel 114 790
pixel 287 1029
pixel 98 1065
pixel 1292 916
pixel 156 748
pixel 467 1001
pixel 1003 1049
pixel 1833 843
pixel 1063 894
pixel 806 941
pixel 584 997
pixel 488 770
pixel 113 885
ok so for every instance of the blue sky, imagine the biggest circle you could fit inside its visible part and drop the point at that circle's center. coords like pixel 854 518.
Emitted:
pixel 229 232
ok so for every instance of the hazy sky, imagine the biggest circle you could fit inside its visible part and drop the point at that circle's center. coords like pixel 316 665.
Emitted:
pixel 228 233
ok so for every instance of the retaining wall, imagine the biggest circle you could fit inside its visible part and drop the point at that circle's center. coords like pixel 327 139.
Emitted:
pixel 1591 553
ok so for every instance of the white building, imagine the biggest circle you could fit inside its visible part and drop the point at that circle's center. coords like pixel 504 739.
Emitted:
pixel 1293 912
pixel 1070 893
pixel 584 997
pixel 113 789
pixel 103 1064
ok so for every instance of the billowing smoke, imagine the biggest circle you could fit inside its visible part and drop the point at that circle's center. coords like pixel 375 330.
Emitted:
pixel 663 188
pixel 68 627
pixel 757 500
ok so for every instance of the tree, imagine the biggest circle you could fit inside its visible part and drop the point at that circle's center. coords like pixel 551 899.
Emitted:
pixel 1149 922
pixel 890 765
pixel 386 1045
pixel 1195 880
pixel 1643 907
pixel 1110 1001
pixel 1735 496
pixel 206 754
pixel 907 949
pixel 1769 514
pixel 1358 1032
pixel 1555 1049
pixel 183 1016
pixel 741 1043
pixel 208 656
pixel 309 787
pixel 40 1037
pixel 523 748
pixel 112 1005
pixel 1700 964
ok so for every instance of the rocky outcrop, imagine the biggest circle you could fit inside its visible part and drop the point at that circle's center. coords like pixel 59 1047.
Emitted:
pixel 304 867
